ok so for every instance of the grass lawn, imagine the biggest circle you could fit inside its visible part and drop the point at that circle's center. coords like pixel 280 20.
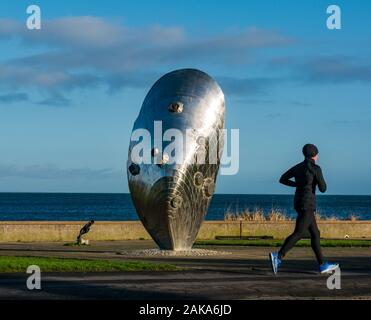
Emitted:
pixel 278 243
pixel 20 264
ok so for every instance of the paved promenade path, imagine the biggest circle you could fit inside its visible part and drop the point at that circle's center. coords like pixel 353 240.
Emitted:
pixel 243 274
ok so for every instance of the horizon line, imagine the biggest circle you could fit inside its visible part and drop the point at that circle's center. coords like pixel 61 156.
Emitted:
pixel 252 194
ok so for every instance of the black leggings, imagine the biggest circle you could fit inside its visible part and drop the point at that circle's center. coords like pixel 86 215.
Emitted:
pixel 305 221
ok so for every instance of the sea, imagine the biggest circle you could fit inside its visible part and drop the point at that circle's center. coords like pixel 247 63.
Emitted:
pixel 119 207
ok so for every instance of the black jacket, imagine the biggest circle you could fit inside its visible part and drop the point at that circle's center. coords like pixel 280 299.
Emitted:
pixel 307 177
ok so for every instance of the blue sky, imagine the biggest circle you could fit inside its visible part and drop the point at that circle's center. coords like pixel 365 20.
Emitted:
pixel 70 92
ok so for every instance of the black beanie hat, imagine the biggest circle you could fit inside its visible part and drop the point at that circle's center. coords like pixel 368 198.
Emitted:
pixel 310 150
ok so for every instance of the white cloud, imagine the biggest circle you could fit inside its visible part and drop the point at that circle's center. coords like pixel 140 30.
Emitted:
pixel 86 51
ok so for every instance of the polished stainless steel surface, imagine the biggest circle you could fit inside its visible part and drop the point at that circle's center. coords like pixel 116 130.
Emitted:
pixel 172 199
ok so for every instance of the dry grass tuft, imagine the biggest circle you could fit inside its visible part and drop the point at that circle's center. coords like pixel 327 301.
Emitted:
pixel 258 215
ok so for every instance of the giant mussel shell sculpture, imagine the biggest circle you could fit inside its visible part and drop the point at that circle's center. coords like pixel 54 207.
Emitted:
pixel 172 193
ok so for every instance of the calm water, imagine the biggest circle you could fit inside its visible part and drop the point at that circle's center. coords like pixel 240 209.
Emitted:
pixel 85 206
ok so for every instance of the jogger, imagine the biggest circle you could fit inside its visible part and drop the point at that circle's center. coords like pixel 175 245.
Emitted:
pixel 307 177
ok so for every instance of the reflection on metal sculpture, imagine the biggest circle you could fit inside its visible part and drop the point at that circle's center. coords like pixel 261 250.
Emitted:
pixel 172 199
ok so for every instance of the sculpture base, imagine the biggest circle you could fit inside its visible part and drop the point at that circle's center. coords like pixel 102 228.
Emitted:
pixel 173 253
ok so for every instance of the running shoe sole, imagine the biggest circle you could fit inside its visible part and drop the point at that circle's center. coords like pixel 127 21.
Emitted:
pixel 272 264
pixel 330 269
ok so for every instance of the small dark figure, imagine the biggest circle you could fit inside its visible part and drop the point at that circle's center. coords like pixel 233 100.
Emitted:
pixel 85 229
